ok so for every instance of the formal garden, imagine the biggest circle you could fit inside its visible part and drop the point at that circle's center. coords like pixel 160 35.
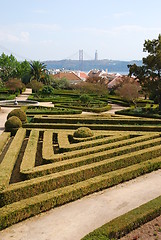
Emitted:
pixel 50 156
pixel 52 160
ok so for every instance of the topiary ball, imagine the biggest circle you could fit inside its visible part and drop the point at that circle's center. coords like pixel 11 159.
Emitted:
pixel 83 132
pixel 13 124
pixel 18 113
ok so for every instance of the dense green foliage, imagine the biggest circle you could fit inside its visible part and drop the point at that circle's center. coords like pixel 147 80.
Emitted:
pixel 38 72
pixel 13 124
pixel 18 113
pixel 149 74
pixel 83 132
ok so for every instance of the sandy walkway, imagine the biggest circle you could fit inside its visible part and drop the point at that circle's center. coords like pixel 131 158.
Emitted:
pixel 5 110
pixel 115 108
pixel 74 220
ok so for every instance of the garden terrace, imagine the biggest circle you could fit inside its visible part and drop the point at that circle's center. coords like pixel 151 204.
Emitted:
pixel 97 122
pixel 41 168
pixel 70 100
pixel 32 110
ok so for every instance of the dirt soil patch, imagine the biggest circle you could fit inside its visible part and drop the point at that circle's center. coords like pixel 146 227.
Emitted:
pixel 148 231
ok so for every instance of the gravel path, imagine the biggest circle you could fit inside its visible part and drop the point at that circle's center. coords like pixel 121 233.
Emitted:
pixel 74 220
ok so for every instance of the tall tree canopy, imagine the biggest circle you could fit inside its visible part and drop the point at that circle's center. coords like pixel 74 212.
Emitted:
pixel 149 74
pixel 8 67
pixel 38 72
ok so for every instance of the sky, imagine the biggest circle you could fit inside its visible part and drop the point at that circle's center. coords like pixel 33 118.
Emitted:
pixel 58 29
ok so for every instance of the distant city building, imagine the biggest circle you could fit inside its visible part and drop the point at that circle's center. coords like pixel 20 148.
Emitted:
pixel 82 75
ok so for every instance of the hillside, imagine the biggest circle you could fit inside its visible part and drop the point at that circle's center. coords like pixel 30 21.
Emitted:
pixel 86 65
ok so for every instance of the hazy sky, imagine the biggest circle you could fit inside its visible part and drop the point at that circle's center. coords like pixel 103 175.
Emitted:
pixel 57 29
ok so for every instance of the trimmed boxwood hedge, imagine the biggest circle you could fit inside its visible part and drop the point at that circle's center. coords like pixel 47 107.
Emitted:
pixel 10 158
pixel 51 111
pixel 47 148
pixel 18 113
pixel 23 209
pixel 4 137
pixel 29 157
pixel 148 128
pixel 85 108
pixel 97 120
pixel 13 124
pixel 112 159
pixel 60 179
pixel 128 112
pixel 127 222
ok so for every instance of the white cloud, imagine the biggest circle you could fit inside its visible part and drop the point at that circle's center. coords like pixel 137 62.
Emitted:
pixel 7 36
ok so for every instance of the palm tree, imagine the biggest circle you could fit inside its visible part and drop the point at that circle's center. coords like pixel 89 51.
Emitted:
pixel 38 70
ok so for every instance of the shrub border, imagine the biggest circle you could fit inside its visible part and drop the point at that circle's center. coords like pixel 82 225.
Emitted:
pixel 19 211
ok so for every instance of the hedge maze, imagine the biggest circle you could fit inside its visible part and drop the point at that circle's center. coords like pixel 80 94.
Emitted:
pixel 44 166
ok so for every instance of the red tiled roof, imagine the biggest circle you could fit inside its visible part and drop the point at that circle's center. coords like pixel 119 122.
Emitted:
pixel 68 75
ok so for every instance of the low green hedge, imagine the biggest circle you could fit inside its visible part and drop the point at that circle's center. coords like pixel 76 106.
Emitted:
pixel 4 137
pixel 128 112
pixel 127 222
pixel 10 158
pixel 86 108
pixel 96 120
pixel 65 145
pixel 107 161
pixel 51 111
pixel 47 148
pixel 29 157
pixel 61 179
pixel 7 96
pixel 23 209
pixel 147 128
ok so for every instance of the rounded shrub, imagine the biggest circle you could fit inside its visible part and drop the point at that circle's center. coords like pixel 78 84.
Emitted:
pixel 13 124
pixel 18 113
pixel 85 98
pixel 83 132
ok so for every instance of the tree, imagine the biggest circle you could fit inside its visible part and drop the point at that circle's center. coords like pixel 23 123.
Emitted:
pixel 8 67
pixel 91 88
pixel 47 90
pixel 36 86
pixel 24 71
pixel 38 71
pixel 129 90
pixel 62 83
pixel 149 74
pixel 85 99
pixel 15 85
